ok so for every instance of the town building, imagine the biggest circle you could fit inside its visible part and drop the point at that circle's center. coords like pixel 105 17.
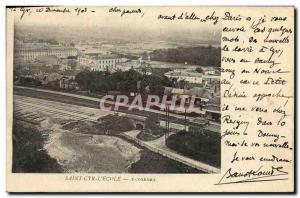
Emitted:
pixel 189 77
pixel 28 54
pixel 144 68
pixel 213 109
pixel 212 83
pixel 68 84
pixel 99 62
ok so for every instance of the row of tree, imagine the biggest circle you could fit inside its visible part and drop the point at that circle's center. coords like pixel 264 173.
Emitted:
pixel 202 55
pixel 127 81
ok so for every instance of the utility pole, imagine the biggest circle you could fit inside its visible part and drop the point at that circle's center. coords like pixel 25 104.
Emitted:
pixel 185 119
pixel 167 131
pixel 166 124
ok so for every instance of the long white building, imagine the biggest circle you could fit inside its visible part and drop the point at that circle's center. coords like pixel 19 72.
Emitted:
pixel 99 62
pixel 190 77
pixel 30 54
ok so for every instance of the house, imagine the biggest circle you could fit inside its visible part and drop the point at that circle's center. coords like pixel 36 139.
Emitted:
pixel 48 60
pixel 213 109
pixel 69 84
pixel 71 74
pixel 189 77
pixel 171 91
pixel 99 62
pixel 144 68
pixel 200 93
pixel 212 113
pixel 45 78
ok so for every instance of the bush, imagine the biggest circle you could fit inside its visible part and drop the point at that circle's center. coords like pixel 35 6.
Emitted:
pixel 146 136
pixel 28 153
pixel 113 124
pixel 25 81
pixel 204 147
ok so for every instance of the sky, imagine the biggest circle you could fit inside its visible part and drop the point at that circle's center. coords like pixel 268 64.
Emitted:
pixel 146 23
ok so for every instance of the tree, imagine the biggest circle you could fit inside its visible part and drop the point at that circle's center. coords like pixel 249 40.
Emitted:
pixel 52 41
pixel 199 70
pixel 29 156
pixel 152 125
pixel 145 56
pixel 182 84
pixel 201 55
pixel 127 81
pixel 72 63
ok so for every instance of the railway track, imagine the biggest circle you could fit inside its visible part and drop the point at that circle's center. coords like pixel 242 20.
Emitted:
pixel 27 109
pixel 71 99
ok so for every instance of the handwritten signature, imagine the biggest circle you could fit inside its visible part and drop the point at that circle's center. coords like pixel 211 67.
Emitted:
pixel 259 175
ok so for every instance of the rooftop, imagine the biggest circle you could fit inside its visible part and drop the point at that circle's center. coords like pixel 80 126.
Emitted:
pixel 183 73
pixel 212 108
pixel 49 60
pixel 199 92
pixel 48 47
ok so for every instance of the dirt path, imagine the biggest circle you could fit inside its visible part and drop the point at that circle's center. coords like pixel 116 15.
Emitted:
pixel 92 153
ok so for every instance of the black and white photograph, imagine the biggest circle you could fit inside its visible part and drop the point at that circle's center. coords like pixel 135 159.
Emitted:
pixel 150 98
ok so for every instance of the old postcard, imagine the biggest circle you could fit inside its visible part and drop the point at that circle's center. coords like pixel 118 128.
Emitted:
pixel 150 99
